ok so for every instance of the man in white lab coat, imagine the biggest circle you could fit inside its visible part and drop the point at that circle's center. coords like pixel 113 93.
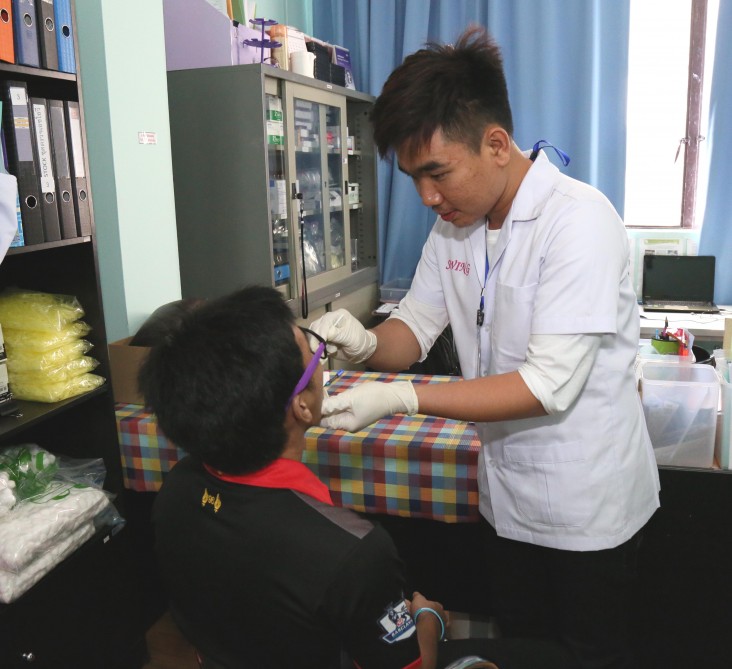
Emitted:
pixel 530 269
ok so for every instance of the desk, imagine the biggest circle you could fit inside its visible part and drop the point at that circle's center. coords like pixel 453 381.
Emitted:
pixel 411 466
pixel 704 327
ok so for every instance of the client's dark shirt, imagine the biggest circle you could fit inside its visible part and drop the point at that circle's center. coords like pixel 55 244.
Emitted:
pixel 267 577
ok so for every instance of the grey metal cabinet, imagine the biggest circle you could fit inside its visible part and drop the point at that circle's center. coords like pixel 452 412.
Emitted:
pixel 275 184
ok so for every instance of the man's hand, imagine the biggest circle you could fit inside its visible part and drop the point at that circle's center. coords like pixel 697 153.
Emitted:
pixel 419 601
pixel 347 338
pixel 364 404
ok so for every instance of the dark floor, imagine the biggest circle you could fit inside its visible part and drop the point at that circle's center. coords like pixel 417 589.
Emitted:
pixel 683 613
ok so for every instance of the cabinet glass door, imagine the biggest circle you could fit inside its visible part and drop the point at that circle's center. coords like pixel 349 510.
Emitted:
pixel 309 179
pixel 336 181
pixel 320 171
pixel 281 257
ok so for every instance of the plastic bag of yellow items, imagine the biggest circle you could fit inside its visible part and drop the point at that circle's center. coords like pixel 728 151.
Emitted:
pixel 31 361
pixel 40 340
pixel 32 310
pixel 63 372
pixel 55 392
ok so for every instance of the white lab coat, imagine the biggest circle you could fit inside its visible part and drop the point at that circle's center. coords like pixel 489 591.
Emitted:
pixel 586 478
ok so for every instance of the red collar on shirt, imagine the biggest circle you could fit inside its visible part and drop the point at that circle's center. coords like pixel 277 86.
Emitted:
pixel 282 473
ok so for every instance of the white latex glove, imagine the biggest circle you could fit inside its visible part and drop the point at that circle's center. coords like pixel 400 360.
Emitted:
pixel 350 339
pixel 364 404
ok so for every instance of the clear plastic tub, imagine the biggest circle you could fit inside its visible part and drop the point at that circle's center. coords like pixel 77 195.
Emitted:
pixel 680 404
pixel 394 290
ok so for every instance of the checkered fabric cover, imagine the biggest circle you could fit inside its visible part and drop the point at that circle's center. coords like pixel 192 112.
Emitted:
pixel 417 466
pixel 146 454
pixel 413 466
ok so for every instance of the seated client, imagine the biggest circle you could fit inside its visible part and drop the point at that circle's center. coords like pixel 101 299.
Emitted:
pixel 261 569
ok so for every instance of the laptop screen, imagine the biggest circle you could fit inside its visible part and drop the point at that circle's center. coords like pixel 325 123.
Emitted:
pixel 687 278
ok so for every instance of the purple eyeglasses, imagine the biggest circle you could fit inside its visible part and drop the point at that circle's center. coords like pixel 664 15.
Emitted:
pixel 319 354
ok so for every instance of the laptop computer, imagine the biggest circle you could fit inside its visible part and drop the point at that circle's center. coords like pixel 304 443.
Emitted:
pixel 679 283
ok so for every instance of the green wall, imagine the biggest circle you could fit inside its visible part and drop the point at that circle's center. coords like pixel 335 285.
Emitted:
pixel 124 87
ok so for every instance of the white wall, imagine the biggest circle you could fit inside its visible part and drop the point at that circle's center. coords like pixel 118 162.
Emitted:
pixel 124 87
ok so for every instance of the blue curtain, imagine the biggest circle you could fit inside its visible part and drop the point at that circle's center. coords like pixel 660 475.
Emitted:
pixel 566 66
pixel 716 233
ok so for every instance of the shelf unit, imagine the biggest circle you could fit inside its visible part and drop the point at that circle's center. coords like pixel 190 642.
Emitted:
pixel 84 612
pixel 263 163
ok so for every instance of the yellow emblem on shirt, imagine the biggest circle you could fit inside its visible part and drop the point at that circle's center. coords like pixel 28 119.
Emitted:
pixel 208 498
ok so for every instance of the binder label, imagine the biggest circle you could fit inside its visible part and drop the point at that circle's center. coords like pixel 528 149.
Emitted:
pixel 75 133
pixel 18 96
pixel 44 149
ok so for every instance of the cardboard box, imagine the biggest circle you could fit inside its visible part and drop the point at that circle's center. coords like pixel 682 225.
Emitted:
pixel 291 40
pixel 125 362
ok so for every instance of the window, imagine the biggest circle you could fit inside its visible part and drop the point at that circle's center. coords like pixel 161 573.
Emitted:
pixel 671 56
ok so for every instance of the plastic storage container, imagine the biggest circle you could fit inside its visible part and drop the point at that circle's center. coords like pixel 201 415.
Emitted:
pixel 723 442
pixel 647 353
pixel 680 405
pixel 395 290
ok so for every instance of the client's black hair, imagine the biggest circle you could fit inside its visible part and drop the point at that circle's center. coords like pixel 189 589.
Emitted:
pixel 219 383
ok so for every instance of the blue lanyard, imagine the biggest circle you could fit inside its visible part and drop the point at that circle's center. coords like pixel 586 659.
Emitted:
pixel 543 144
pixel 481 309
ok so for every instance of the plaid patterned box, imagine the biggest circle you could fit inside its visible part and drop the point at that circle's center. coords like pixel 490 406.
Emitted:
pixel 414 466
pixel 417 466
pixel 146 454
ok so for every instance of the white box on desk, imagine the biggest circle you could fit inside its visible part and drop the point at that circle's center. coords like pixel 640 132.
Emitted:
pixel 680 404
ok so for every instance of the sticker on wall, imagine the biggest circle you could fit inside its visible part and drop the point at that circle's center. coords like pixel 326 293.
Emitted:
pixel 147 137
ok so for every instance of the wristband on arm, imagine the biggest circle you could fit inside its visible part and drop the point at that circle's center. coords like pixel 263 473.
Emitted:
pixel 418 612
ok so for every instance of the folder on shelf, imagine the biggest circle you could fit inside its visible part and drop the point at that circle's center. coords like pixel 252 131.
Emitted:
pixel 7 50
pixel 18 237
pixel 25 32
pixel 64 36
pixel 8 217
pixel 62 169
pixel 47 34
pixel 78 171
pixel 21 163
pixel 44 160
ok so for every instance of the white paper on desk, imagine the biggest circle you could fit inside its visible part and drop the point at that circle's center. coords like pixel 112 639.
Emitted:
pixel 387 307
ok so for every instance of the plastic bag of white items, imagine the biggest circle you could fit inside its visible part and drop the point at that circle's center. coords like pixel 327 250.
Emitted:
pixel 64 372
pixel 32 310
pixel 43 340
pixel 7 493
pixel 37 476
pixel 30 469
pixel 55 392
pixel 40 531
pixel 33 361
